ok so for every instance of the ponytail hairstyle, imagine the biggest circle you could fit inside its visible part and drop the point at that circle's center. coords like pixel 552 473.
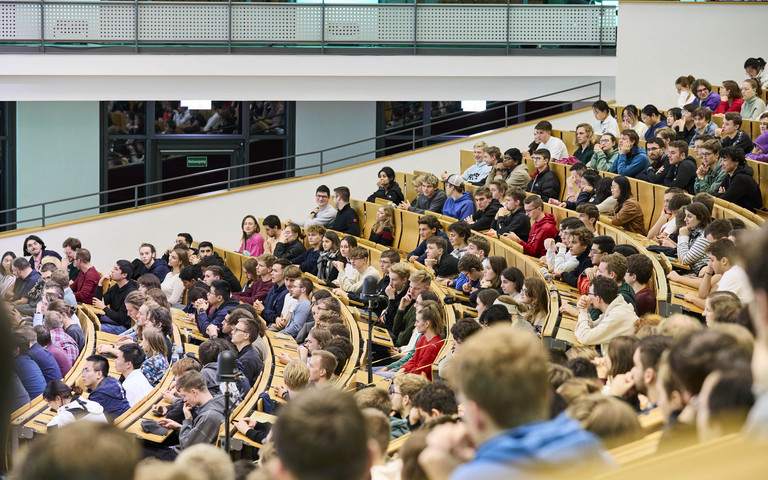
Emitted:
pixel 57 388
pixel 295 229
pixel 602 106
pixel 756 63
pixel 685 81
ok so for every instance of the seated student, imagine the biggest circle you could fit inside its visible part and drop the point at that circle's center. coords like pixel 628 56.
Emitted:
pixel 606 119
pixel 511 170
pixel 584 140
pixel 346 220
pixel 202 415
pixel 685 127
pixel 291 244
pixel 731 134
pixel 213 311
pixel 70 406
pixel 631 120
pixel 429 226
pixel 710 175
pixel 258 273
pixel 383 231
pixel 511 218
pixel 580 244
pixel 659 162
pixel 354 283
pixel 705 97
pixel 674 199
pixel 388 189
pixel 479 171
pixel 516 431
pixel 301 290
pixel 632 159
pixel 223 272
pixel 322 365
pixel 84 285
pixel 243 335
pixel 587 192
pixel 739 186
pixel 429 323
pixel 435 401
pixel 252 243
pixel 760 152
pixel 589 215
pixel 543 139
pixel 150 264
pixel 753 105
pixel 682 167
pixel 156 350
pixel 730 98
pixel 441 263
pixel 459 203
pixel 458 236
pixel 573 182
pixel 326 272
pixel 558 256
pixel 470 273
pixel 653 119
pixel 542 229
pixel 544 182
pixel 722 256
pixel 272 306
pixel 638 276
pixel 491 156
pixel 54 323
pixel 486 210
pixel 604 152
pixel 274 230
pixel 128 364
pixel 405 317
pixel 61 362
pixel 702 119
pixel 628 214
pixel 492 268
pixel 691 241
pixel 104 389
pixel 616 315
pixel 172 286
pixel 431 198
pixel 26 369
pixel 307 260
pixel 115 318
pixel 323 214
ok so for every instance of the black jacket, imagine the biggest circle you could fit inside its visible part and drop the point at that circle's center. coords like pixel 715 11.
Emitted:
pixel 546 185
pixel 742 189
pixel 572 277
pixel 289 250
pixel 393 194
pixel 584 198
pixel 447 267
pixel 741 140
pixel 682 175
pixel 252 364
pixel 484 218
pixel 650 175
pixel 346 221
pixel 115 298
pixel 516 221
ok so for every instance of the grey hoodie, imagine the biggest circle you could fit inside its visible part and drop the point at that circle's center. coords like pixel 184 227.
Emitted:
pixel 204 427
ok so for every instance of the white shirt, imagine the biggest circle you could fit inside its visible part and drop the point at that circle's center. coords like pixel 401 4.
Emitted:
pixel 136 387
pixel 735 280
pixel 556 147
pixel 288 305
pixel 172 287
pixel 669 227
pixel 609 125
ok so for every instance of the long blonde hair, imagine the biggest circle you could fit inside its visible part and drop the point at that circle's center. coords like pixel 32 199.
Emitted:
pixel 388 223
pixel 155 342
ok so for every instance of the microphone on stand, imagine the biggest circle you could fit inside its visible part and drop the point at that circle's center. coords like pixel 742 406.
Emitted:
pixel 370 293
pixel 370 285
pixel 227 368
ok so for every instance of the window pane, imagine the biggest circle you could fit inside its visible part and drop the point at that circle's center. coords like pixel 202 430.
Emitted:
pixel 126 117
pixel 267 118
pixel 171 118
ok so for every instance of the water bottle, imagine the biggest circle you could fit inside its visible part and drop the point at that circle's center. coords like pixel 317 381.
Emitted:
pixel 177 351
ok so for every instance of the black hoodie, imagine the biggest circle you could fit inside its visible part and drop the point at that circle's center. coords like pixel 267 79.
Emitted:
pixel 742 189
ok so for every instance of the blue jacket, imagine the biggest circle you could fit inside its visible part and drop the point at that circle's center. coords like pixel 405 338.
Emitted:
pixel 273 304
pixel 307 261
pixel 216 317
pixel 110 395
pixel 159 269
pixel 30 375
pixel 526 450
pixel 421 249
pixel 461 208
pixel 44 359
pixel 631 164
pixel 651 132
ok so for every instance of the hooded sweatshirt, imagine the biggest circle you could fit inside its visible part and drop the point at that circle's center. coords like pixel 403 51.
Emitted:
pixel 540 231
pixel 538 447
pixel 159 269
pixel 618 319
pixel 632 163
pixel 742 189
pixel 216 317
pixel 461 208
pixel 204 427
pixel 110 395
pixel 78 409
pixel 762 142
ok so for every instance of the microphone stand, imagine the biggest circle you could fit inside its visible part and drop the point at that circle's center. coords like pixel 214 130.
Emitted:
pixel 370 294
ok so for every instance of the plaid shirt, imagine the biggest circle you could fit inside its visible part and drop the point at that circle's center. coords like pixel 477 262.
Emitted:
pixel 60 338
pixel 154 368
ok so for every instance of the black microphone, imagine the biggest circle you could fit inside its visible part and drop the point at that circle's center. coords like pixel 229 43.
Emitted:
pixel 370 285
pixel 227 370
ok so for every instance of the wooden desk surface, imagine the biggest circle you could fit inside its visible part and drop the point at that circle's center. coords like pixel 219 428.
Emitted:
pixel 678 291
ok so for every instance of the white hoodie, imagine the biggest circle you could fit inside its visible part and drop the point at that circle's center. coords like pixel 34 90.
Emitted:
pixel 78 409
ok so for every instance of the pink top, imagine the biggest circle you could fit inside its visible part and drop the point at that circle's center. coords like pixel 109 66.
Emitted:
pixel 254 246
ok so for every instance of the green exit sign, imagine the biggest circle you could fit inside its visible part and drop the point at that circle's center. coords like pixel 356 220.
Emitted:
pixel 197 162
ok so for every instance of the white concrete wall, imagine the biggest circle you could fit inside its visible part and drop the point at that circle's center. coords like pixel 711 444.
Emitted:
pixel 57 156
pixel 660 41
pixel 217 218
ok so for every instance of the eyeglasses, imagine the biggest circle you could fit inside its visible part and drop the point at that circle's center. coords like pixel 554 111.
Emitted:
pixel 595 252
pixel 319 195
pixel 235 329
pixel 537 158
pixel 703 90
pixel 394 392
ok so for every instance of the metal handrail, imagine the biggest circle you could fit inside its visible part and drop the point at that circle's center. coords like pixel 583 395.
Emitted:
pixel 321 165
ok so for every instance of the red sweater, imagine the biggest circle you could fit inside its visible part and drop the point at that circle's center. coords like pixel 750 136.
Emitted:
pixel 735 106
pixel 255 291
pixel 85 285
pixel 425 355
pixel 540 231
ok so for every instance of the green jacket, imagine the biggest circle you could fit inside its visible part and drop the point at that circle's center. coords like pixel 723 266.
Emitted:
pixel 711 181
pixel 403 324
pixel 601 161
